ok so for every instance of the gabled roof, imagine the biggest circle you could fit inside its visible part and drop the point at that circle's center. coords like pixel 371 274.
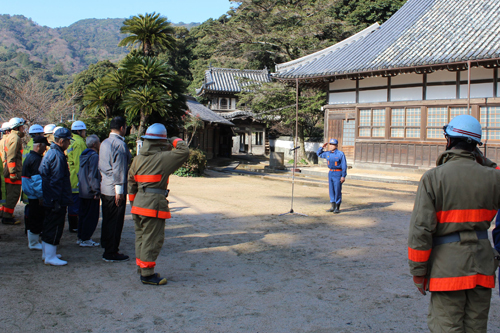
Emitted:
pixel 422 32
pixel 227 80
pixel 197 109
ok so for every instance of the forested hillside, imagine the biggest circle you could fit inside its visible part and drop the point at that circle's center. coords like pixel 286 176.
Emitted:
pixel 27 48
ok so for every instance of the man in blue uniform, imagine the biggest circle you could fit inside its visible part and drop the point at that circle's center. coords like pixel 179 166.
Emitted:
pixel 338 171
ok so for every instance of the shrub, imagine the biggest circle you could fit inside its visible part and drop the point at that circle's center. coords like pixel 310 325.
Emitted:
pixel 194 166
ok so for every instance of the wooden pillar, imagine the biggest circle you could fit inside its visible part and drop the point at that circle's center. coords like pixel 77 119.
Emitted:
pixel 423 123
pixel 388 114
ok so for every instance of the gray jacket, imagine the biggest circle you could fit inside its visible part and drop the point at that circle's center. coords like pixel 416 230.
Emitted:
pixel 114 160
pixel 89 177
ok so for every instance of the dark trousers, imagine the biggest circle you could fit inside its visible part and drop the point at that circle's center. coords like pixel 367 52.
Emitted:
pixel 35 222
pixel 53 225
pixel 112 224
pixel 88 218
pixel 73 209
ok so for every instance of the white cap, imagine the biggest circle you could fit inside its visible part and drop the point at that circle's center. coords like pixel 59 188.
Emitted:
pixel 49 129
pixel 78 125
pixel 156 132
pixel 35 129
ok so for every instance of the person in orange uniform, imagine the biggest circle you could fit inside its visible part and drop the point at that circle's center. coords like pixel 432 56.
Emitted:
pixel 147 188
pixel 448 248
pixel 12 169
pixel 5 130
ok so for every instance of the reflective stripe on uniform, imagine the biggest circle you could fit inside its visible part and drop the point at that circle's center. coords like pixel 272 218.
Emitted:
pixel 150 212
pixel 175 142
pixel 147 178
pixel 418 255
pixel 466 215
pixel 11 165
pixel 145 264
pixel 15 182
pixel 131 197
pixel 8 210
pixel 461 282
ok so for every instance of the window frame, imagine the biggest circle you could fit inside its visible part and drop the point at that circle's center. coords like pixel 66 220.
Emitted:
pixel 448 112
pixel 405 127
pixel 371 127
pixel 486 128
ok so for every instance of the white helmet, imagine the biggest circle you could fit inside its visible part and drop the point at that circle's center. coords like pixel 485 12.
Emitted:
pixel 35 129
pixel 49 129
pixel 5 127
pixel 78 126
pixel 156 132
pixel 464 126
pixel 16 122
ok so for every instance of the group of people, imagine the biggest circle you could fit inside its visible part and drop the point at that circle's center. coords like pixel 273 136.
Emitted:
pixel 62 171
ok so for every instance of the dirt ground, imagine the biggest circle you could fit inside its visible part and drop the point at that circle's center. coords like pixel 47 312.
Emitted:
pixel 234 265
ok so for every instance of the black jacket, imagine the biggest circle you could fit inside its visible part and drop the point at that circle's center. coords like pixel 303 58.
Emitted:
pixel 56 185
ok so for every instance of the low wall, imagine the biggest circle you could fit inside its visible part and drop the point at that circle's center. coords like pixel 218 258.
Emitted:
pixel 284 144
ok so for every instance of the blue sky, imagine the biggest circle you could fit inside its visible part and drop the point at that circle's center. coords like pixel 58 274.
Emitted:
pixel 61 13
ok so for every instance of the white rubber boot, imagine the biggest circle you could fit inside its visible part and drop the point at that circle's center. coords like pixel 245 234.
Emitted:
pixel 33 242
pixel 51 257
pixel 43 252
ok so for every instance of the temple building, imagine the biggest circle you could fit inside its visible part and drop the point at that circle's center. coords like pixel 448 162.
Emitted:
pixel 220 87
pixel 392 87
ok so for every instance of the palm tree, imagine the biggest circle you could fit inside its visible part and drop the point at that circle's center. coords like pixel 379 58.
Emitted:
pixel 149 32
pixel 99 102
pixel 143 101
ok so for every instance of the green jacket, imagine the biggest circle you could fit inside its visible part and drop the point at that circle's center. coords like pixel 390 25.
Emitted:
pixel 27 149
pixel 151 169
pixel 74 151
pixel 458 196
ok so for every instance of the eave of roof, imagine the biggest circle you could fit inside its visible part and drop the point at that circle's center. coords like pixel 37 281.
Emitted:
pixel 423 33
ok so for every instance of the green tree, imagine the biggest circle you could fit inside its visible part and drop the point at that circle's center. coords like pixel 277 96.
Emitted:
pixel 152 33
pixel 156 86
pixel 275 103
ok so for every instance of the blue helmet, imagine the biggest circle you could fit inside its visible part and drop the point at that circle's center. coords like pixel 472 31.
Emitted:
pixel 334 142
pixel 465 127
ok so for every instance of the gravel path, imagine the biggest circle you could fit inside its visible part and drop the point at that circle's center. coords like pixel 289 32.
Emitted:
pixel 234 265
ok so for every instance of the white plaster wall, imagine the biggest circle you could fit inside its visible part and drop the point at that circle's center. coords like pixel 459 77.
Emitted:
pixel 373 96
pixel 407 79
pixel 342 84
pixel 441 92
pixel 283 145
pixel 342 98
pixel 442 76
pixel 406 94
pixel 373 82
pixel 477 90
pixel 477 73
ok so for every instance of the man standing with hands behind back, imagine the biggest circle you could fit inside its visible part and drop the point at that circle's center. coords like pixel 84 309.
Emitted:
pixel 338 171
pixel 114 160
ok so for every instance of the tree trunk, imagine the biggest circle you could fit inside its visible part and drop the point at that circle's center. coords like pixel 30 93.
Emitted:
pixel 141 125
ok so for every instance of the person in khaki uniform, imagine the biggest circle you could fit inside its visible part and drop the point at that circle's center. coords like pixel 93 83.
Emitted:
pixel 5 130
pixel 448 247
pixel 12 169
pixel 147 188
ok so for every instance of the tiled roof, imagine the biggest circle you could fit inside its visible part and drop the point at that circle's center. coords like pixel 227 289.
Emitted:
pixel 422 32
pixel 237 114
pixel 226 80
pixel 197 109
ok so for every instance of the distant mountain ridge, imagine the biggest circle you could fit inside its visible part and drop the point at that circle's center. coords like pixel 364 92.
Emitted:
pixel 62 51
